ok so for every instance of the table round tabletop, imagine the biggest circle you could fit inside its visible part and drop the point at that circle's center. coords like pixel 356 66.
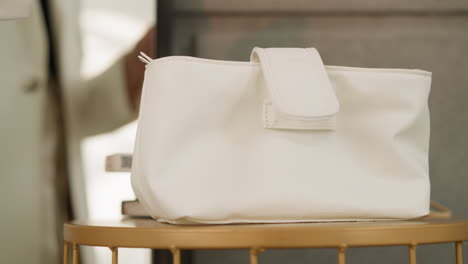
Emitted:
pixel 149 233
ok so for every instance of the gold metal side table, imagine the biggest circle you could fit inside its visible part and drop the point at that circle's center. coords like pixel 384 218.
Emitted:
pixel 148 233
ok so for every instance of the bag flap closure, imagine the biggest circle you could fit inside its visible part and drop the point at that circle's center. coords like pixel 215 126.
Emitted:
pixel 300 91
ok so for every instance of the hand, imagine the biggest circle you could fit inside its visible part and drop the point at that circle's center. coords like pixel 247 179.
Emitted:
pixel 135 69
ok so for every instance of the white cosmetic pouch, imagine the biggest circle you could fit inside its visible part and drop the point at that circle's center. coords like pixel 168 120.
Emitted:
pixel 282 138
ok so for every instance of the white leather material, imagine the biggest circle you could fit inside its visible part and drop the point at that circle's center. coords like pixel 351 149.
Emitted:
pixel 300 93
pixel 202 154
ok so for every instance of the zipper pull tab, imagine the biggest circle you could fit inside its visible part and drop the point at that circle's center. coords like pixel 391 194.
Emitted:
pixel 144 58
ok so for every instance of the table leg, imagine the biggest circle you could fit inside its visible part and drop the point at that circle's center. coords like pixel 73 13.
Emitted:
pixel 342 255
pixel 459 251
pixel 76 253
pixel 175 255
pixel 254 255
pixel 412 254
pixel 115 255
pixel 66 251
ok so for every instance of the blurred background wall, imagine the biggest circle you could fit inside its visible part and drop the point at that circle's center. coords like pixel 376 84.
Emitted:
pixel 425 34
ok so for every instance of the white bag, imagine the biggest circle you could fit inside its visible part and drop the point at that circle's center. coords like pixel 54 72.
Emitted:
pixel 282 138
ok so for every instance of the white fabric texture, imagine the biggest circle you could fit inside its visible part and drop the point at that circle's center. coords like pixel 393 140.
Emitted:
pixel 15 9
pixel 93 106
pixel 203 155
